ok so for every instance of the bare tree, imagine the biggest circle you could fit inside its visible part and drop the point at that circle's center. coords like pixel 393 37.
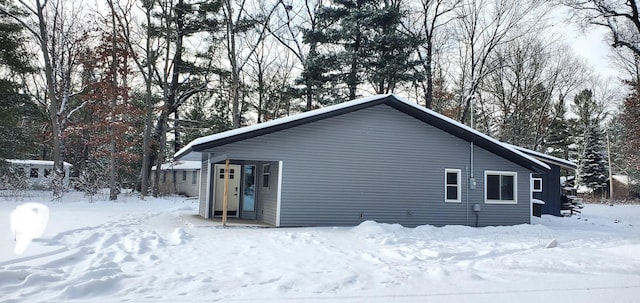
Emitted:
pixel 483 26
pixel 271 74
pixel 60 33
pixel 288 29
pixel 426 24
pixel 621 18
pixel 141 46
pixel 240 46
pixel 518 94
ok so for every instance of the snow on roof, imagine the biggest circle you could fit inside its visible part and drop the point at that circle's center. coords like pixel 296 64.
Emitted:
pixel 559 161
pixel 180 165
pixel 238 131
pixel 35 162
pixel 624 179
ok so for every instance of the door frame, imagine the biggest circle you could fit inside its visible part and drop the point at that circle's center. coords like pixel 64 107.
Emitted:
pixel 237 176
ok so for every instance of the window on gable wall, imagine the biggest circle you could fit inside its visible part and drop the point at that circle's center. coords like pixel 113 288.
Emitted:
pixel 452 185
pixel 537 185
pixel 500 187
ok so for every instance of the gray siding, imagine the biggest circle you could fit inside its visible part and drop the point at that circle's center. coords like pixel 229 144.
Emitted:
pixel 267 196
pixel 377 164
pixel 550 191
pixel 501 214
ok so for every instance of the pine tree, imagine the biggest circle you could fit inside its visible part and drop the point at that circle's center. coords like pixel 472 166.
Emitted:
pixel 202 120
pixel 558 140
pixel 358 41
pixel 593 165
pixel 20 117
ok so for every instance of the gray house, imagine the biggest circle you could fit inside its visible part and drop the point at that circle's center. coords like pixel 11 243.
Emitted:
pixel 546 186
pixel 379 158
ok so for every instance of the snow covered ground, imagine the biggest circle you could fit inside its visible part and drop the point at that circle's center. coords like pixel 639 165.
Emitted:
pixel 157 250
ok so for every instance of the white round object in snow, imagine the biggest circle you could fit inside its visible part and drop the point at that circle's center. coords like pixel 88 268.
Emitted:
pixel 28 221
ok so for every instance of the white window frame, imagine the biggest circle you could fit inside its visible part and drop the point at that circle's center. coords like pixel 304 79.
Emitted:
pixel 502 173
pixel 533 185
pixel 458 185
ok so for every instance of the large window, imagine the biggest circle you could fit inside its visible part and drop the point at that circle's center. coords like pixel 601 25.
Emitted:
pixel 452 186
pixel 500 187
pixel 537 185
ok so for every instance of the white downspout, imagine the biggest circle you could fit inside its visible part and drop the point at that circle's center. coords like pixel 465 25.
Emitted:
pixel 279 194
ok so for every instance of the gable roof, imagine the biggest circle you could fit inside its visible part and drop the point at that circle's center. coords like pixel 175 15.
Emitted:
pixel 412 109
pixel 547 158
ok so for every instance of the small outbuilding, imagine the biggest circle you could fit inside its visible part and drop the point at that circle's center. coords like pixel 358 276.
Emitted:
pixel 37 172
pixel 379 158
pixel 179 178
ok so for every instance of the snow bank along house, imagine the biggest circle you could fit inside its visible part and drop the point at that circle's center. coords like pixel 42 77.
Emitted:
pixel 379 158
pixel 37 171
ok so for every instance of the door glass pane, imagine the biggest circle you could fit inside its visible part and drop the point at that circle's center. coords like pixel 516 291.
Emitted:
pixel 249 188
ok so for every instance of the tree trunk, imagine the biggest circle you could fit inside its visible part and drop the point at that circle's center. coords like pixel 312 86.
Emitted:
pixel 233 60
pixel 56 136
pixel 147 158
pixel 429 72
pixel 113 165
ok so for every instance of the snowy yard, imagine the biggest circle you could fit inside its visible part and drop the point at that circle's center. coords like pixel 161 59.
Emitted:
pixel 158 251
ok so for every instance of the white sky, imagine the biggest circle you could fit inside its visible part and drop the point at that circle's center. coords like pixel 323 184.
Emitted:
pixel 592 47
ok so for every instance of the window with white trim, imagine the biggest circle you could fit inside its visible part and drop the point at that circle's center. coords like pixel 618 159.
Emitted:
pixel 452 187
pixel 500 187
pixel 536 185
